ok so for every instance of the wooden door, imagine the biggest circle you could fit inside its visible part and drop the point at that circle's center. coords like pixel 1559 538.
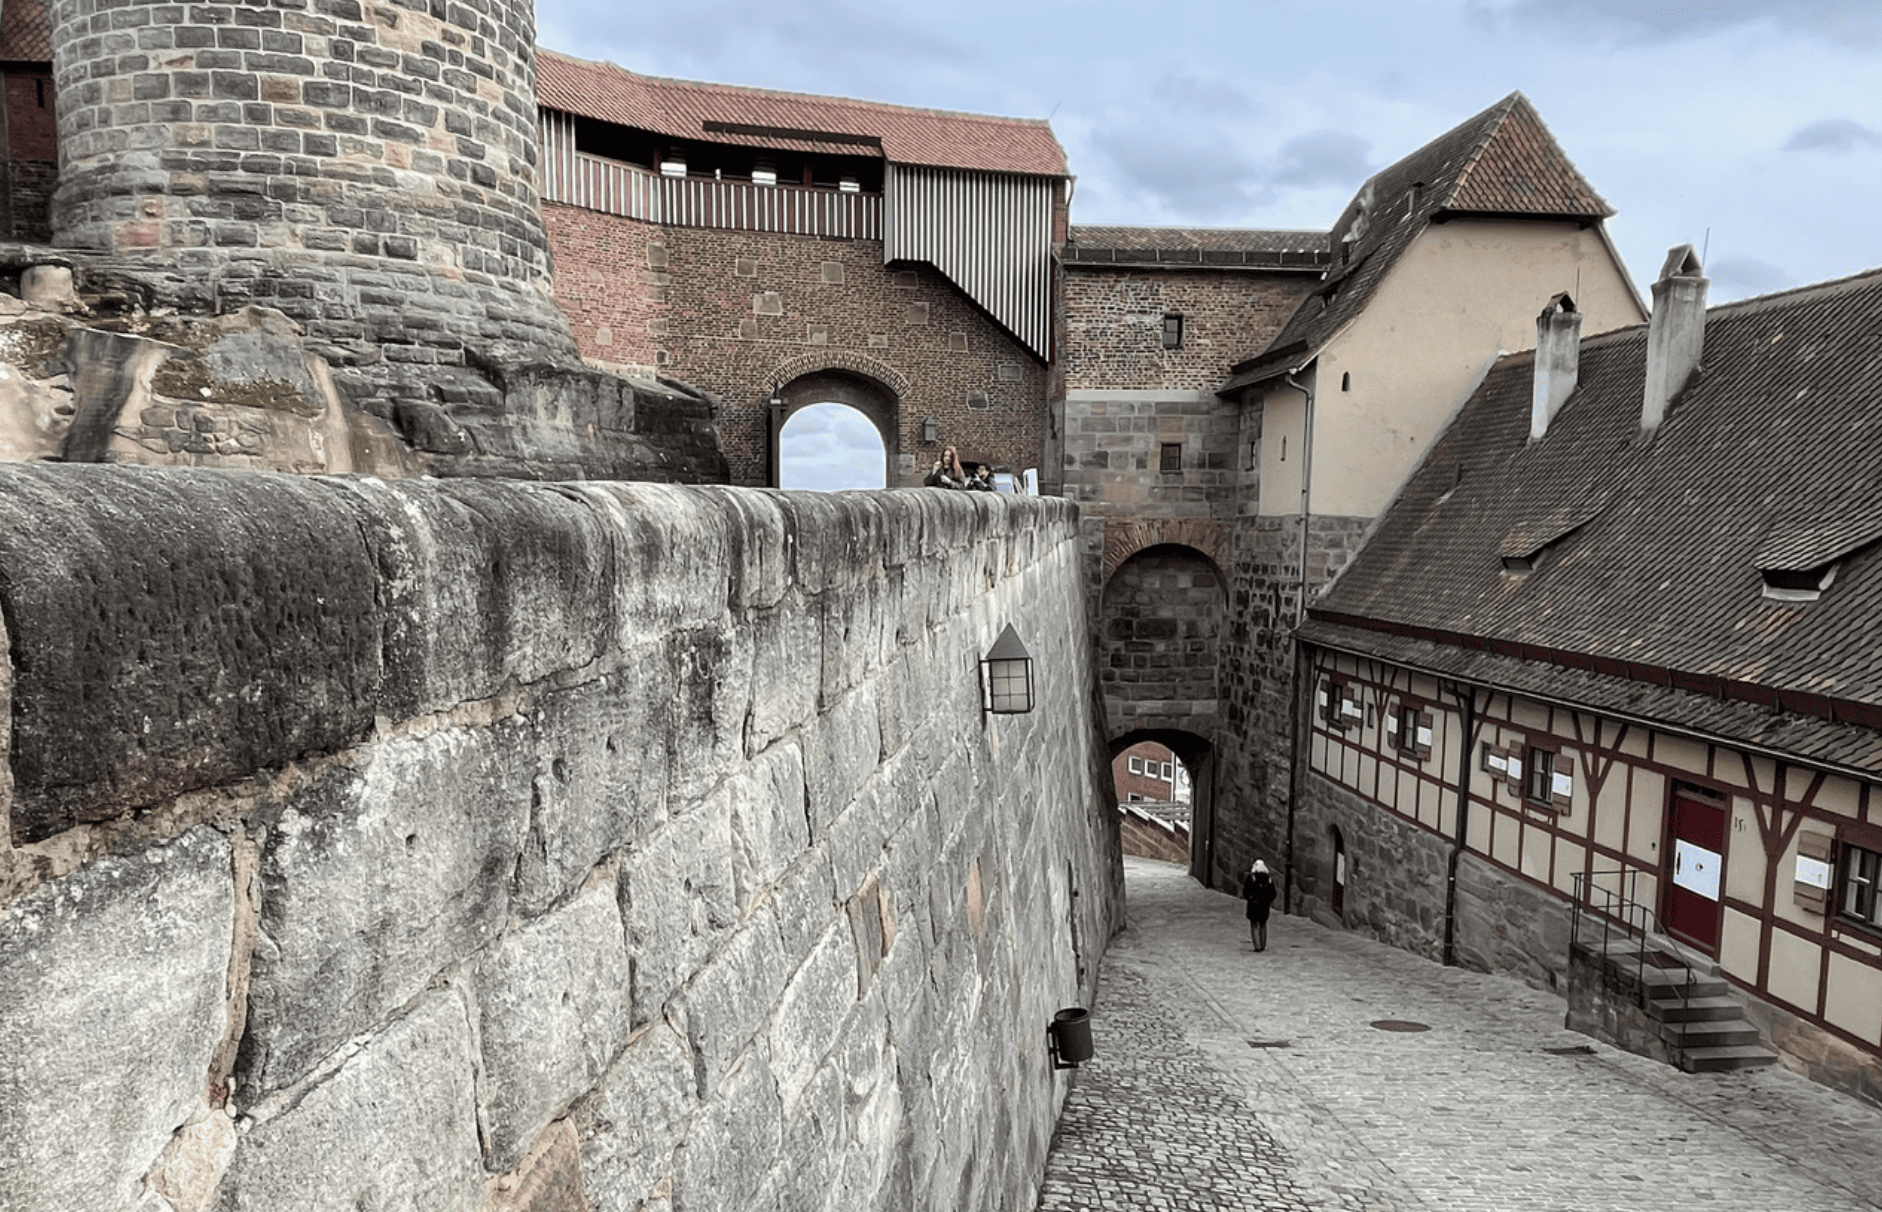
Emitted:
pixel 1695 870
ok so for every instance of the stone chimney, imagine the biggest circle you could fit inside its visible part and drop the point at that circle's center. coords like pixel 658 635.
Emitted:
pixel 1676 335
pixel 1558 358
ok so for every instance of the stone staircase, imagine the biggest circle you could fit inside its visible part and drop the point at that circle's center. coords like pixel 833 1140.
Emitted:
pixel 1702 1025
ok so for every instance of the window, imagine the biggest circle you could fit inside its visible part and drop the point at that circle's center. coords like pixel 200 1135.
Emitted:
pixel 1165 775
pixel 1172 332
pixel 1541 775
pixel 1862 873
pixel 1135 798
pixel 1172 458
pixel 1339 705
pixel 1136 765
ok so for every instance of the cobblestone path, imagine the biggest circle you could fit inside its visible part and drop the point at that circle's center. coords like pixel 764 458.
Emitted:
pixel 1226 1080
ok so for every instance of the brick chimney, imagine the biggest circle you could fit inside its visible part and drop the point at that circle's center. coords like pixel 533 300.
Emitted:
pixel 1558 359
pixel 1676 335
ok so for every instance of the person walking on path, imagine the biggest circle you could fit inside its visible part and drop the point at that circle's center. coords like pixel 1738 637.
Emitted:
pixel 1258 891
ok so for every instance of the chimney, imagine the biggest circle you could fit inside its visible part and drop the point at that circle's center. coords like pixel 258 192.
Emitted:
pixel 1558 358
pixel 1676 335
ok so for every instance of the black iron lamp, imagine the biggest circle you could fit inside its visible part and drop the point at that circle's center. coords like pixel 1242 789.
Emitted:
pixel 930 431
pixel 1068 1037
pixel 1006 676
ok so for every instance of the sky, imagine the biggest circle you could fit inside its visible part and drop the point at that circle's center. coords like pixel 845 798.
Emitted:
pixel 1751 130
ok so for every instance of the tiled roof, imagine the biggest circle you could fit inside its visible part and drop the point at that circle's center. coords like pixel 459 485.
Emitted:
pixel 25 32
pixel 1504 161
pixel 793 121
pixel 1771 455
pixel 1214 247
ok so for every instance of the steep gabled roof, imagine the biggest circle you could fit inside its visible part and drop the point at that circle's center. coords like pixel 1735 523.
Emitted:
pixel 795 121
pixel 1504 161
pixel 1214 247
pixel 1771 457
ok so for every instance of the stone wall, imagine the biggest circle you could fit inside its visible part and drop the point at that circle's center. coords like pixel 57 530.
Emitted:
pixel 470 845
pixel 367 168
pixel 1257 700
pixel 1114 323
pixel 1157 642
pixel 740 315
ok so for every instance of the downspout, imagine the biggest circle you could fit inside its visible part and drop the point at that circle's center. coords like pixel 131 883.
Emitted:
pixel 1300 614
pixel 1467 704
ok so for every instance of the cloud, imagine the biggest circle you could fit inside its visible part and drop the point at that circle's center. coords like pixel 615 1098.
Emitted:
pixel 829 447
pixel 1322 157
pixel 1194 95
pixel 1739 276
pixel 1631 23
pixel 1833 134
pixel 1202 173
pixel 821 46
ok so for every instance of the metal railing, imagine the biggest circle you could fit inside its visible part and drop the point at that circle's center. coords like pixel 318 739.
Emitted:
pixel 1617 914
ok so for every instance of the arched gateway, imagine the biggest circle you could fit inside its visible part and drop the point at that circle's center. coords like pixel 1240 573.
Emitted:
pixel 875 391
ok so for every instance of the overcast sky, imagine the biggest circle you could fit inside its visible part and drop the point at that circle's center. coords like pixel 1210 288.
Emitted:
pixel 1758 122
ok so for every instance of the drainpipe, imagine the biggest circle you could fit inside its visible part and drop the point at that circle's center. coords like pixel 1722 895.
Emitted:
pixel 1306 488
pixel 1300 614
pixel 1467 705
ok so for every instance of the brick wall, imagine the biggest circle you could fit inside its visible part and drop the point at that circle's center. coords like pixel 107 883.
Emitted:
pixel 1144 786
pixel 739 314
pixel 32 129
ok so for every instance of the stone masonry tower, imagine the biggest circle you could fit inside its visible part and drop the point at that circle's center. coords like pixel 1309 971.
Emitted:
pixel 368 167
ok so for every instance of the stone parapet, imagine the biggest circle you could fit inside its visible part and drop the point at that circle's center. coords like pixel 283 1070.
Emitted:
pixel 471 844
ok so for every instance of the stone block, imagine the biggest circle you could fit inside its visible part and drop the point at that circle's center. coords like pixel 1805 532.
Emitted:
pixel 374 880
pixel 553 1012
pixel 636 1119
pixel 395 1126
pixel 809 1018
pixel 679 901
pixel 191 627
pixel 549 1180
pixel 769 830
pixel 845 749
pixel 725 1006
pixel 723 1161
pixel 111 1005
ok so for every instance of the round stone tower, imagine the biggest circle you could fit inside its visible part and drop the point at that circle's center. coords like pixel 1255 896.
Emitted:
pixel 367 168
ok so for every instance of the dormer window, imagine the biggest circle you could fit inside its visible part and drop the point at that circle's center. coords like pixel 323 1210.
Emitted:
pixel 1797 585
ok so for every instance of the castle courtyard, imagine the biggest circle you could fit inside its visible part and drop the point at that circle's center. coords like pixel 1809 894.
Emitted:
pixel 1226 1080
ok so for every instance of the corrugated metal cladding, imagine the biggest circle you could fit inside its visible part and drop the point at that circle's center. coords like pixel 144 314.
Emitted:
pixel 590 182
pixel 990 233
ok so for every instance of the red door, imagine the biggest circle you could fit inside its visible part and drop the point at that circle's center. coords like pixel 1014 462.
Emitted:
pixel 1695 870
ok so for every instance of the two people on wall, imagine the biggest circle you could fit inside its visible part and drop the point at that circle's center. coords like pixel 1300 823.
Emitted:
pixel 1258 890
pixel 949 472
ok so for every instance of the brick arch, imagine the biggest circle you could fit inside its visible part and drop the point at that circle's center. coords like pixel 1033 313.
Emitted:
pixel 838 359
pixel 1125 538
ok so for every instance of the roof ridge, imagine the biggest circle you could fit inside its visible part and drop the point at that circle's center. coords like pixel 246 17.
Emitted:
pixel 707 86
pixel 1290 231
pixel 1828 287
pixel 1502 110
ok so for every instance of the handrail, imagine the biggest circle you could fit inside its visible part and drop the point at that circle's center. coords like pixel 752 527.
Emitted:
pixel 1620 908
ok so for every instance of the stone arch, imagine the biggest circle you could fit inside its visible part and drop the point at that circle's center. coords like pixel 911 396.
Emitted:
pixel 1197 753
pixel 1125 537
pixel 839 359
pixel 877 399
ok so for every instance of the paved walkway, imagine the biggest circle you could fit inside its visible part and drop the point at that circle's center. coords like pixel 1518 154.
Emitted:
pixel 1227 1080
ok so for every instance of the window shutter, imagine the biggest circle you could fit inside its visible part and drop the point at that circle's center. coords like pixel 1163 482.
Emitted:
pixel 1816 856
pixel 1425 726
pixel 1391 721
pixel 1514 773
pixel 1562 783
pixel 1495 759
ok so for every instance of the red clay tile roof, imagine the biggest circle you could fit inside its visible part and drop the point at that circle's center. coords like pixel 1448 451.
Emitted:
pixel 1771 456
pixel 791 121
pixel 1504 161
pixel 25 32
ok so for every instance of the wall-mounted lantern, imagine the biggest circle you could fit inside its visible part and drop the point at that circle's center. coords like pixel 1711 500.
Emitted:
pixel 1068 1037
pixel 930 431
pixel 1006 676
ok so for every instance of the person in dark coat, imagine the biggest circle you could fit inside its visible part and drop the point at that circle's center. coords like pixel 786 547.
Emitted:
pixel 1258 891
